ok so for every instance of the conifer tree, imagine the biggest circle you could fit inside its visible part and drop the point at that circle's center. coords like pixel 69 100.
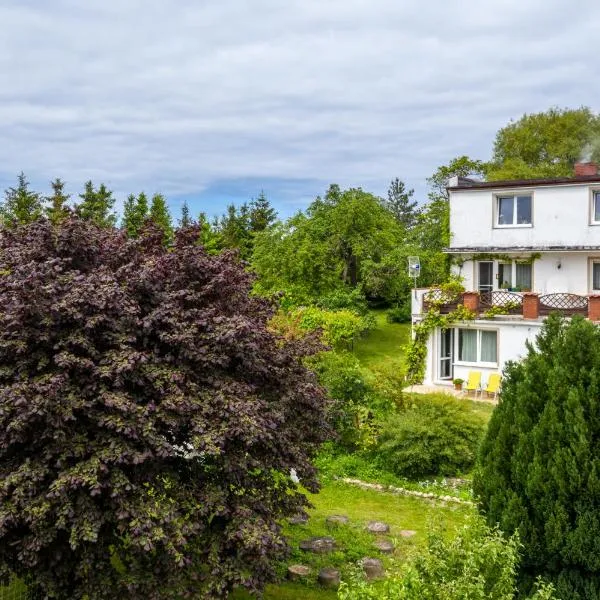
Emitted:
pixel 209 238
pixel 399 202
pixel 57 210
pixel 21 206
pixel 539 466
pixel 185 220
pixel 262 214
pixel 160 216
pixel 97 205
pixel 129 215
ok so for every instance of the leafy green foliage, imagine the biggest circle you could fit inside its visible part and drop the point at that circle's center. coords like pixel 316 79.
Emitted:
pixel 135 213
pixel 97 205
pixel 416 350
pixel 148 418
pixel 21 205
pixel 545 144
pixel 329 247
pixel 57 210
pixel 339 327
pixel 478 562
pixel 433 436
pixel 340 374
pixel 261 214
pixel 538 470
pixel 399 202
pixel 399 314
pixel 159 215
pixel 344 299
pixel 185 220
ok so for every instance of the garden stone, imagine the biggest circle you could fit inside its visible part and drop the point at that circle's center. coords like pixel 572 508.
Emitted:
pixel 407 533
pixel 329 577
pixel 298 572
pixel 299 519
pixel 384 546
pixel 336 520
pixel 372 567
pixel 318 545
pixel 378 527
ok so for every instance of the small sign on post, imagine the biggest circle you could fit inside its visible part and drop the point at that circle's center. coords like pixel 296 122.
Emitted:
pixel 414 269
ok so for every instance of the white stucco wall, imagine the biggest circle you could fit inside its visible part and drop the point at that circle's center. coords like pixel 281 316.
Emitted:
pixel 573 276
pixel 511 346
pixel 561 216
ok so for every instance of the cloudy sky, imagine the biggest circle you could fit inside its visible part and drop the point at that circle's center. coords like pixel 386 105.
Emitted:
pixel 215 100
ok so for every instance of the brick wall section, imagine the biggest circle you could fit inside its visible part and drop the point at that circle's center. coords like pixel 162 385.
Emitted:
pixel 585 169
pixel 594 307
pixel 471 301
pixel 531 305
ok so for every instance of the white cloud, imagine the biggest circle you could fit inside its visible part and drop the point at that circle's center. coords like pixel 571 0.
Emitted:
pixel 180 96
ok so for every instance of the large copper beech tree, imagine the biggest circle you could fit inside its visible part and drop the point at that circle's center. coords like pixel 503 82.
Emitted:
pixel 148 418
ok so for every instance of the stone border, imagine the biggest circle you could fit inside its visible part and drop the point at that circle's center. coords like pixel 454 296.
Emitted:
pixel 405 492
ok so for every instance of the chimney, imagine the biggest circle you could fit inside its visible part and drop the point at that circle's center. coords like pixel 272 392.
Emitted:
pixel 586 169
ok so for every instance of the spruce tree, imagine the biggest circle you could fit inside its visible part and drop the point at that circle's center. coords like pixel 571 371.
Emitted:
pixel 160 216
pixel 97 205
pixel 129 216
pixel 399 202
pixel 57 210
pixel 21 206
pixel 209 238
pixel 262 214
pixel 539 466
pixel 185 220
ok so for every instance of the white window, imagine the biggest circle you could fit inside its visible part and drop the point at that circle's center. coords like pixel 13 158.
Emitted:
pixel 505 277
pixel 513 211
pixel 477 346
pixel 523 278
pixel 515 276
pixel 596 207
pixel 596 275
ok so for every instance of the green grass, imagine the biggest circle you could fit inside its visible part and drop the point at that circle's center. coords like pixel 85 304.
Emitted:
pixel 381 349
pixel 361 506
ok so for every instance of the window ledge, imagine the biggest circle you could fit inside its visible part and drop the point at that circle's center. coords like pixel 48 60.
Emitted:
pixel 481 365
pixel 519 226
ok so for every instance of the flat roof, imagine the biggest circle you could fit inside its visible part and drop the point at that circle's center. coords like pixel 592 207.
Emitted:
pixel 464 183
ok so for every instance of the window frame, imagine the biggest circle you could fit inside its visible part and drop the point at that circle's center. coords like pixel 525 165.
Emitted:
pixel 514 195
pixel 478 362
pixel 592 260
pixel 594 193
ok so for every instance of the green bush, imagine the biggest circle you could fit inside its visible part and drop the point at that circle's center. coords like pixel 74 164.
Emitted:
pixel 434 436
pixel 340 327
pixel 401 313
pixel 340 373
pixel 351 299
pixel 477 563
pixel 538 472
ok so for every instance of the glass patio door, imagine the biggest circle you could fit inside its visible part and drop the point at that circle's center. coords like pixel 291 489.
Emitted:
pixel 446 354
pixel 486 276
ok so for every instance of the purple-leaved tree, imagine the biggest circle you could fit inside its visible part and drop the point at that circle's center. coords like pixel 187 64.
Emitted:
pixel 148 418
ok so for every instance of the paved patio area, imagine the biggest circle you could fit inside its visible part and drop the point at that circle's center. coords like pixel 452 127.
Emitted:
pixel 447 389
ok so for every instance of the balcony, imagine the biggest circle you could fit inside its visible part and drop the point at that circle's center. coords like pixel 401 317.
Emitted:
pixel 525 304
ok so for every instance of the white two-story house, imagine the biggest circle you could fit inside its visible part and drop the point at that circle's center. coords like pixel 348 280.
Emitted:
pixel 532 246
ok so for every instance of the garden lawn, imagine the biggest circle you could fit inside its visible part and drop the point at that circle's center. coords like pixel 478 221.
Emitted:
pixel 361 506
pixel 382 347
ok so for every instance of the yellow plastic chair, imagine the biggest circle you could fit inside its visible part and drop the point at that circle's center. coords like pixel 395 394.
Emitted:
pixel 473 382
pixel 493 385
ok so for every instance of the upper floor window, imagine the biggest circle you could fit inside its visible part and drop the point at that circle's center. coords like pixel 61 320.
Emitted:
pixel 513 211
pixel 596 207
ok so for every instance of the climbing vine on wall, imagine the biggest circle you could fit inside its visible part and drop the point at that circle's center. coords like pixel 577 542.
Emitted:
pixel 522 260
pixel 416 349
